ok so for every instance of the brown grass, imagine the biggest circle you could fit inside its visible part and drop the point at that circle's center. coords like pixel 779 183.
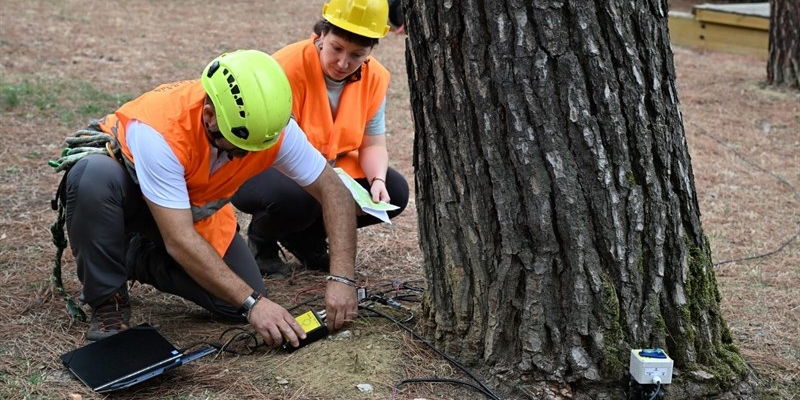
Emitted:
pixel 743 141
pixel 742 138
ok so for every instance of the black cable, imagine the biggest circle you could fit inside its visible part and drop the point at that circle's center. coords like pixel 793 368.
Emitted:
pixel 373 298
pixel 481 387
pixel 658 389
pixel 414 288
pixel 249 338
pixel 411 298
pixel 763 255
pixel 199 343
pixel 309 301
pixel 401 291
pixel 400 285
pixel 777 177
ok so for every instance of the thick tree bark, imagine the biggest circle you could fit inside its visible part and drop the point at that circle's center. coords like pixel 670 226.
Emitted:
pixel 556 202
pixel 783 65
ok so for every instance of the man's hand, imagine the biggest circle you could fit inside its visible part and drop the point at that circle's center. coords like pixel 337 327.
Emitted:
pixel 341 305
pixel 338 212
pixel 274 323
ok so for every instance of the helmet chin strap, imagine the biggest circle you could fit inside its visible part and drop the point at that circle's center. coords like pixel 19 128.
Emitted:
pixel 211 134
pixel 214 135
pixel 212 138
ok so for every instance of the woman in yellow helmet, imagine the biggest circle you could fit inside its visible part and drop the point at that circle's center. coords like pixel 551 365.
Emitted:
pixel 339 100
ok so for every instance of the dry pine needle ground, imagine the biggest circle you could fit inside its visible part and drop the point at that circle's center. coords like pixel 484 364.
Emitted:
pixel 69 61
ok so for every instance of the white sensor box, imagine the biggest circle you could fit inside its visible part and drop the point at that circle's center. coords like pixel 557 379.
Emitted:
pixel 648 366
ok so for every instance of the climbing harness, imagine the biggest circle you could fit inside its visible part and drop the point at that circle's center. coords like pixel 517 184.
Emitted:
pixel 83 143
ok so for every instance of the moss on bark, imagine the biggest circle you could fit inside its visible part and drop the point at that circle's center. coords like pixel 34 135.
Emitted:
pixel 716 352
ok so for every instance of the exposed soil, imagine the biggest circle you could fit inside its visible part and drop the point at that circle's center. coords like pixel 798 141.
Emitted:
pixel 742 137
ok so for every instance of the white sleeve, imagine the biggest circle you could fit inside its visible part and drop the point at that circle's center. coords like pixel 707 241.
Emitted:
pixel 160 174
pixel 297 158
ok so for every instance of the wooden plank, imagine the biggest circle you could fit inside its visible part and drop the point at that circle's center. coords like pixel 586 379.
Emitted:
pixel 685 30
pixel 751 9
pixel 731 19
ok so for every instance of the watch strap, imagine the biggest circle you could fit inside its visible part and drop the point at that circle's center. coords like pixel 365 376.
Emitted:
pixel 249 302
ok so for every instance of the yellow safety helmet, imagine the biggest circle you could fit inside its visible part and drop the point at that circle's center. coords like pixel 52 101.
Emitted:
pixel 363 17
pixel 251 96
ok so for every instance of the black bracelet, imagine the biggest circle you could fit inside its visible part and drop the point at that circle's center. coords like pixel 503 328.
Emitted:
pixel 376 179
pixel 341 279
pixel 250 310
pixel 249 303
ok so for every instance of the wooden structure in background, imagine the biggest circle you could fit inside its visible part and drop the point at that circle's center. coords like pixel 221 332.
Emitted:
pixel 735 28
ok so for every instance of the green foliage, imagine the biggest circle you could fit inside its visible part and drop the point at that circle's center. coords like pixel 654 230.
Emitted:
pixel 36 378
pixel 25 94
pixel 68 101
pixel 10 95
pixel 21 386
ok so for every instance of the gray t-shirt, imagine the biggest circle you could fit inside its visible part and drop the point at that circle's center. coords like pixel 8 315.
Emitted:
pixel 375 126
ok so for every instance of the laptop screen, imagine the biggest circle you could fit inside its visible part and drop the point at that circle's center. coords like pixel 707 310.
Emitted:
pixel 122 359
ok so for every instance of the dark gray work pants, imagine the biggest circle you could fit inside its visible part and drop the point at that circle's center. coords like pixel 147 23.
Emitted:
pixel 281 207
pixel 103 206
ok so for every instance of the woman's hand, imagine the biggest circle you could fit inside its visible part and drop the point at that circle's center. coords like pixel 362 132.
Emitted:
pixel 378 191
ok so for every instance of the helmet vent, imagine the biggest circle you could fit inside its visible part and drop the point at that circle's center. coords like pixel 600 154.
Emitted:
pixel 235 92
pixel 241 132
pixel 212 68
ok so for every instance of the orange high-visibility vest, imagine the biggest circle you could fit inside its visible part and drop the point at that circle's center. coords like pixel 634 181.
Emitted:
pixel 175 111
pixel 337 139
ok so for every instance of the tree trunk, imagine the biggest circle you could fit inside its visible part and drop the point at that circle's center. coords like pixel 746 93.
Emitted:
pixel 783 65
pixel 556 201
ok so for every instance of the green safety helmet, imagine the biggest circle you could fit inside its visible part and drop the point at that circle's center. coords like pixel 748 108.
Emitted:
pixel 363 17
pixel 251 96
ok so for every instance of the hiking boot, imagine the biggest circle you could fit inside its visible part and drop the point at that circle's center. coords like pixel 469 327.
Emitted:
pixel 267 258
pixel 311 251
pixel 111 317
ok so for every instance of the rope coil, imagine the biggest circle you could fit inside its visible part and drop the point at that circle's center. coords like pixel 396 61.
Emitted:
pixel 83 143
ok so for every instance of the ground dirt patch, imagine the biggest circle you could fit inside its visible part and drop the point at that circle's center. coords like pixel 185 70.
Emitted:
pixel 66 62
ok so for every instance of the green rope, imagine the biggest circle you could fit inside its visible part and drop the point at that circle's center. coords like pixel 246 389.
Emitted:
pixel 57 230
pixel 81 144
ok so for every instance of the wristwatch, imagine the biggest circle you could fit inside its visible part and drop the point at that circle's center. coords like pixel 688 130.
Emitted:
pixel 249 303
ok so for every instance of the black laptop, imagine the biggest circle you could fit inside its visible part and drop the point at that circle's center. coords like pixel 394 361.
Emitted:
pixel 127 358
